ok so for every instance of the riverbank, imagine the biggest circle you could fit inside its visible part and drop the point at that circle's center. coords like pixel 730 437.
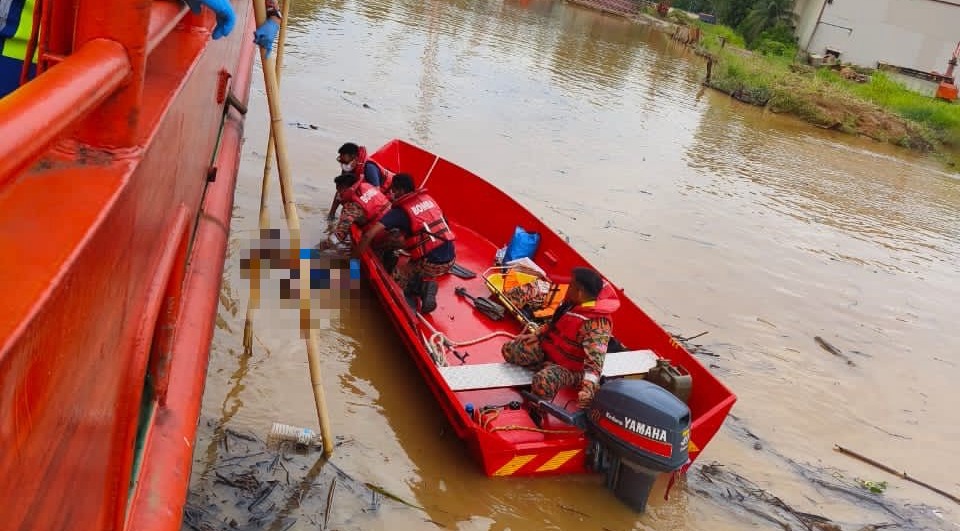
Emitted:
pixel 867 103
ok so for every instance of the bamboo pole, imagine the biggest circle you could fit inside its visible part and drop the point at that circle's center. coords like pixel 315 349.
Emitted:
pixel 254 301
pixel 293 225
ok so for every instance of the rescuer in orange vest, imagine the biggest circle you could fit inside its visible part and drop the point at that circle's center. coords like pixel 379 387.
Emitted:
pixel 353 159
pixel 570 349
pixel 363 204
pixel 428 240
pixel 16 25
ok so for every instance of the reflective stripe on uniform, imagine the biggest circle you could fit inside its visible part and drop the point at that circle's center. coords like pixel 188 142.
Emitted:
pixel 17 19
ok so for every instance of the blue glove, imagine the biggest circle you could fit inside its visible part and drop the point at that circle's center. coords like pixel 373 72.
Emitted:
pixel 266 34
pixel 224 11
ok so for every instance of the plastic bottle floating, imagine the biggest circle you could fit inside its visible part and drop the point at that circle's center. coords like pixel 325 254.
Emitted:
pixel 285 433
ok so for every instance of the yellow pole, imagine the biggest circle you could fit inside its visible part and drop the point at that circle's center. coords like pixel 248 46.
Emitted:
pixel 293 225
pixel 254 302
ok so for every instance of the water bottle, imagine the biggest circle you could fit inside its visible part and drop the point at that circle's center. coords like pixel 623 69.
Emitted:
pixel 304 436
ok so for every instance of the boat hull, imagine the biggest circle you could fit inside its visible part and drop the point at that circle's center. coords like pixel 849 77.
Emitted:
pixel 484 218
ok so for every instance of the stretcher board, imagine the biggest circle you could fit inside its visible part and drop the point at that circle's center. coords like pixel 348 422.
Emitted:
pixel 492 375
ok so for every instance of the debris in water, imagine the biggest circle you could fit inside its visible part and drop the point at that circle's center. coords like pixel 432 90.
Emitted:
pixel 572 510
pixel 832 349
pixel 764 321
pixel 890 433
pixel 757 501
pixel 876 487
pixel 723 483
pixel 255 490
pixel 903 475
pixel 388 494
pixel 685 339
pixel 301 125
pixel 326 512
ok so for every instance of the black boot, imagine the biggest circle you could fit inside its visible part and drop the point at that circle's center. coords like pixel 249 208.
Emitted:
pixel 389 259
pixel 413 286
pixel 428 296
pixel 412 291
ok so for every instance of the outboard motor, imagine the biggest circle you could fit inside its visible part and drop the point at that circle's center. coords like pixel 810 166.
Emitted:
pixel 637 430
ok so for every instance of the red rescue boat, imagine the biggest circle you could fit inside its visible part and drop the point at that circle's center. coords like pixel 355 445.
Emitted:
pixel 633 427
pixel 118 165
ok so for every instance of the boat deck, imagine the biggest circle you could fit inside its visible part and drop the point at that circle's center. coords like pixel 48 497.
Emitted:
pixel 483 378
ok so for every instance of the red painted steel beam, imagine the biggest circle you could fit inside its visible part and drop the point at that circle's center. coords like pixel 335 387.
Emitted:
pixel 97 20
pixel 164 286
pixel 34 116
pixel 168 456
pixel 164 17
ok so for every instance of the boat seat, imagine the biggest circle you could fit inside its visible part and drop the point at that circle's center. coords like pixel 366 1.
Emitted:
pixel 493 375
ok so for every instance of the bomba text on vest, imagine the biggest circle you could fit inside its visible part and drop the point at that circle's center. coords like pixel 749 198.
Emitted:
pixel 368 195
pixel 422 207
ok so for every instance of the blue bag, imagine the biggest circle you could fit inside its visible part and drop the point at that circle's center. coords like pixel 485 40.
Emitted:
pixel 522 245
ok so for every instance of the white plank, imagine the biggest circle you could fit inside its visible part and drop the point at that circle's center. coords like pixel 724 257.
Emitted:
pixel 491 375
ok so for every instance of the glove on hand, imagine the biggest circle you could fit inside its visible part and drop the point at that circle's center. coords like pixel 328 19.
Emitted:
pixel 266 35
pixel 224 11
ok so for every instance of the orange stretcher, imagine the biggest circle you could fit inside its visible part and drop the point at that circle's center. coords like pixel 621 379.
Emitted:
pixel 502 279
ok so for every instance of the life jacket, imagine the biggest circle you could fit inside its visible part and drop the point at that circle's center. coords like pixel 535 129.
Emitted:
pixel 559 341
pixel 374 203
pixel 386 176
pixel 428 228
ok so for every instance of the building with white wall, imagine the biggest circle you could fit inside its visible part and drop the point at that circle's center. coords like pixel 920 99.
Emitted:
pixel 917 34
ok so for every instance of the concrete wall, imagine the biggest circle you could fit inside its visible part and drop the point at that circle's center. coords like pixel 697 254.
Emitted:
pixel 807 12
pixel 920 34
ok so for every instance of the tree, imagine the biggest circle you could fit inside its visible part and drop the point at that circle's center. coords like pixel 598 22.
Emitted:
pixel 693 6
pixel 732 12
pixel 766 15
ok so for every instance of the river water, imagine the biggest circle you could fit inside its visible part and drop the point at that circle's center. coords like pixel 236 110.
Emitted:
pixel 714 216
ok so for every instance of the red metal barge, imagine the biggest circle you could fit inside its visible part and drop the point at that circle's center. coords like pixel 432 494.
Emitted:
pixel 118 164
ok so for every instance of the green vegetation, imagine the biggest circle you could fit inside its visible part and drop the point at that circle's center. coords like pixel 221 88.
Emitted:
pixel 762 23
pixel 769 75
pixel 942 118
pixel 876 487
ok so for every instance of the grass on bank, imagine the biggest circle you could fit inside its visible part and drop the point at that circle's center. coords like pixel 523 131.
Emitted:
pixel 882 108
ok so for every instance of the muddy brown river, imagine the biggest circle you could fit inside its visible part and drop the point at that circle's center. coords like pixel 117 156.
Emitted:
pixel 714 216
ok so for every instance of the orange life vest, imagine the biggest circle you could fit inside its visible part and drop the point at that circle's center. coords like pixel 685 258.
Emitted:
pixel 386 176
pixel 559 341
pixel 428 228
pixel 374 203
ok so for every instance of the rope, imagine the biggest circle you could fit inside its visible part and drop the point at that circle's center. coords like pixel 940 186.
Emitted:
pixel 538 430
pixel 486 418
pixel 487 337
pixel 440 342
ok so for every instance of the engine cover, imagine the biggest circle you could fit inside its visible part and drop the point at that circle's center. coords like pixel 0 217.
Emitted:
pixel 642 423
